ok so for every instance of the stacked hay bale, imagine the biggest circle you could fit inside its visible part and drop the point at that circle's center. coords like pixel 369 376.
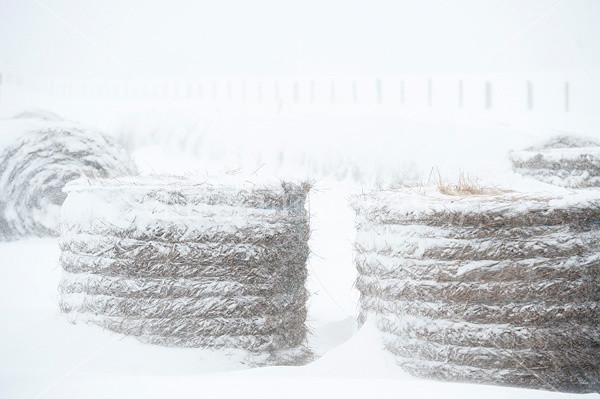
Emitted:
pixel 564 161
pixel 178 262
pixel 496 288
pixel 36 166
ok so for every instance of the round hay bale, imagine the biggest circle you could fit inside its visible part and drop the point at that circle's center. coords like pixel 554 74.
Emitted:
pixel 183 262
pixel 565 161
pixel 499 288
pixel 35 168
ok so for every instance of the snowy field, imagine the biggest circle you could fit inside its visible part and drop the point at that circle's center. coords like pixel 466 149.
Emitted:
pixel 344 150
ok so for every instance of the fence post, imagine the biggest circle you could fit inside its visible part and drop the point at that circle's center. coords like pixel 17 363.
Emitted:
pixel 488 95
pixel 402 92
pixel 175 90
pixel 567 97
pixel 429 92
pixel 379 90
pixel 333 92
pixel 260 91
pixel 296 95
pixel 529 95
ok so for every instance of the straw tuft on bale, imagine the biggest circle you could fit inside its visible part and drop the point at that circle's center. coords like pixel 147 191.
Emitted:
pixel 565 161
pixel 35 168
pixel 499 288
pixel 182 262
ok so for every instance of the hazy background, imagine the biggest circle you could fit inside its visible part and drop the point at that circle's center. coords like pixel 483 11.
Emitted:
pixel 150 39
pixel 350 95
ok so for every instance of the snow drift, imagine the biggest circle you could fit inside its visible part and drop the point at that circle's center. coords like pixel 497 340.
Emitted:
pixel 500 288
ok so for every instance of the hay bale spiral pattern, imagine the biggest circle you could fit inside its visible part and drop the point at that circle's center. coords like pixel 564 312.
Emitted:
pixel 563 161
pixel 177 262
pixel 501 289
pixel 34 170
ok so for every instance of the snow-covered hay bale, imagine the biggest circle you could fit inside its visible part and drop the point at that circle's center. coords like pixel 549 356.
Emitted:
pixel 181 262
pixel 37 165
pixel 497 288
pixel 564 161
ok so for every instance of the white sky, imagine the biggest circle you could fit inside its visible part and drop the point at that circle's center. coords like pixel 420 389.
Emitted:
pixel 178 38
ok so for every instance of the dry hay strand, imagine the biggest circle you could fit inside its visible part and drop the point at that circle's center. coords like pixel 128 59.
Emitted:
pixel 450 249
pixel 465 185
pixel 181 262
pixel 214 306
pixel 562 379
pixel 499 288
pixel 479 291
pixel 34 170
pixel 190 327
pixel 542 313
pixel 569 268
pixel 175 287
pixel 241 272
pixel 565 161
pixel 259 249
pixel 492 357
pixel 461 333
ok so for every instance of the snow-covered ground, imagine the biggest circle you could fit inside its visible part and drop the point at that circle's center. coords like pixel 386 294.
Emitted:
pixel 344 150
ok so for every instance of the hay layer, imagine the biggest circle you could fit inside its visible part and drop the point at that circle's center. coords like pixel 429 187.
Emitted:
pixel 179 262
pixel 461 333
pixel 564 161
pixel 500 289
pixel 570 268
pixel 34 170
pixel 561 379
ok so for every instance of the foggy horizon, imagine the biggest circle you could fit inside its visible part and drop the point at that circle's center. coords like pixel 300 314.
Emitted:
pixel 184 39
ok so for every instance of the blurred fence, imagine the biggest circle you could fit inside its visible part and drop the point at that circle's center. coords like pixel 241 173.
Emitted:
pixel 546 95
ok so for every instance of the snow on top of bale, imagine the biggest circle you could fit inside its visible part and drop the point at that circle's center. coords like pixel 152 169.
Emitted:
pixel 173 202
pixel 190 182
pixel 566 141
pixel 502 206
pixel 193 191
pixel 556 151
